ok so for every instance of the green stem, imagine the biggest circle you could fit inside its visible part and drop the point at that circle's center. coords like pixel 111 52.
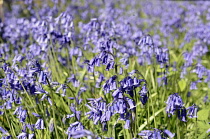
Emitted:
pixel 177 128
pixel 53 108
pixel 13 132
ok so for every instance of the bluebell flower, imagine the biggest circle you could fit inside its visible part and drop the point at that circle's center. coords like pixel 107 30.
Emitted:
pixel 189 57
pixel 3 130
pixel 8 104
pixel 208 130
pixel 7 137
pixel 100 112
pixel 75 112
pixel 200 70
pixel 74 81
pixel 118 94
pixel 127 124
pixel 21 114
pixel 25 135
pixel 30 136
pixel 193 86
pixel 110 65
pixel 39 124
pixel 22 135
pixel 30 126
pixel 82 133
pixel 131 103
pixel 121 71
pixel 99 80
pixel 105 59
pixel 144 94
pixel 42 78
pixel 169 134
pixel 91 108
pixel 1 108
pixel 206 99
pixel 147 134
pixel 51 125
pixel 76 126
pixel 146 40
pixel 189 94
pixel 106 115
pixel 156 134
pixel 162 56
pixel 35 114
pixel 18 58
pixel 143 98
pixel 192 111
pixel 70 115
pixel 121 106
pixel 90 69
pixel 163 80
pixel 110 84
pixel 124 60
pixel 182 114
pixel 174 103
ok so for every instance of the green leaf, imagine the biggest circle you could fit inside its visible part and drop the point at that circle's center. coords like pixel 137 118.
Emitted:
pixel 203 114
pixel 182 84
pixel 60 103
pixel 203 125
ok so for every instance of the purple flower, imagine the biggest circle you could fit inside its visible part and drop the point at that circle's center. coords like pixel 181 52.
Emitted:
pixel 51 125
pixel 121 71
pixel 18 58
pixel 169 134
pixel 200 70
pixel 156 134
pixel 163 80
pixel 100 112
pixel 3 130
pixel 120 106
pixel 192 111
pixel 42 77
pixel 127 124
pixel 35 114
pixel 7 137
pixel 81 133
pixel 118 94
pixel 39 124
pixel 76 126
pixel 25 135
pixel 193 86
pixel 131 103
pixel 21 114
pixel 150 134
pixel 174 103
pixel 182 114
pixel 110 84
pixel 75 112
pixel 143 93
pixel 110 65
pixel 74 81
pixel 143 98
pixel 99 80
pixel 30 126
pixel 22 135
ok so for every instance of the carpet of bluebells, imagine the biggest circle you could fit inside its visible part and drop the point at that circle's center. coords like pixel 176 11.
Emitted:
pixel 105 69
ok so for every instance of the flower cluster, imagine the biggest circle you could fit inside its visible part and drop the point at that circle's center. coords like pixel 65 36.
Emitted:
pixel 175 104
pixel 156 134
pixel 45 47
